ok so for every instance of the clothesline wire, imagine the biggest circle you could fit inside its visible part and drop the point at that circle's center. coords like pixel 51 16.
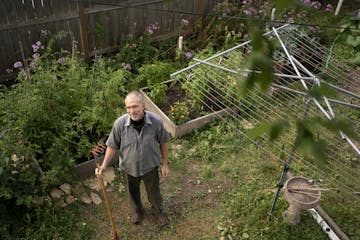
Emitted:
pixel 236 116
pixel 228 59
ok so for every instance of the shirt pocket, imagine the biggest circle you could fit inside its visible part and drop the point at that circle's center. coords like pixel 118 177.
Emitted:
pixel 128 140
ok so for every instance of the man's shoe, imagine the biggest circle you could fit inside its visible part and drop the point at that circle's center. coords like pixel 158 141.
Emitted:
pixel 137 218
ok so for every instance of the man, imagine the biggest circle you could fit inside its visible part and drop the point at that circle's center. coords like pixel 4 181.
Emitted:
pixel 137 136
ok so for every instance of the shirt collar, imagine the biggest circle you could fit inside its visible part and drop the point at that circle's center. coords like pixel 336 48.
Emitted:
pixel 146 119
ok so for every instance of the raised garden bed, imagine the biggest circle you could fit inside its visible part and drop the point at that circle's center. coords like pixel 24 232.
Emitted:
pixel 196 121
pixel 87 169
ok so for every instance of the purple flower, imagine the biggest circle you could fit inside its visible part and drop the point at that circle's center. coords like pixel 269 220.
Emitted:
pixel 127 66
pixel 36 55
pixel 329 8
pixel 184 22
pixel 155 26
pixel 33 65
pixel 247 12
pixel 45 32
pixel 188 55
pixel 18 64
pixel 316 5
pixel 61 60
pixel 9 70
pixel 150 30
pixel 35 47
pixel 38 43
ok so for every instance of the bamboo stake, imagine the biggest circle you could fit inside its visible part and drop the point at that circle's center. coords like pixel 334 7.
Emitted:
pixel 314 195
pixel 309 189
pixel 107 204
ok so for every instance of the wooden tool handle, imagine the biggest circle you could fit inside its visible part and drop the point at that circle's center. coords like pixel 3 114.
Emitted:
pixel 107 203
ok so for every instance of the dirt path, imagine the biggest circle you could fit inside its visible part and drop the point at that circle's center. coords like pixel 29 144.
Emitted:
pixel 193 206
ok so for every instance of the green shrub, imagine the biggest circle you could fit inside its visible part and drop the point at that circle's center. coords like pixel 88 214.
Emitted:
pixel 151 76
pixel 50 121
pixel 42 223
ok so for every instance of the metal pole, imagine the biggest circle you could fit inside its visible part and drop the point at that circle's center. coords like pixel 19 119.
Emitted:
pixel 277 85
pixel 288 163
pixel 312 78
pixel 332 113
pixel 173 75
pixel 298 73
pixel 338 7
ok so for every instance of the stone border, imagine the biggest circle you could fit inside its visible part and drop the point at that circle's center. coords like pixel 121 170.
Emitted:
pixel 180 130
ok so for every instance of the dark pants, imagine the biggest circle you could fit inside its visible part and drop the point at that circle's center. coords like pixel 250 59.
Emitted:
pixel 151 182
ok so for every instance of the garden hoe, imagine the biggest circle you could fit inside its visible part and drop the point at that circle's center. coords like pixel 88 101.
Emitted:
pixel 107 204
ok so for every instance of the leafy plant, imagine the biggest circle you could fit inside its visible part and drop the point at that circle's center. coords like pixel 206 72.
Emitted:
pixel 51 120
pixel 42 223
pixel 153 74
pixel 179 113
pixel 136 52
pixel 351 30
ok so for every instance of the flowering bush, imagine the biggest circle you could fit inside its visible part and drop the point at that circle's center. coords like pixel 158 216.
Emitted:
pixel 179 113
pixel 49 123
pixel 137 52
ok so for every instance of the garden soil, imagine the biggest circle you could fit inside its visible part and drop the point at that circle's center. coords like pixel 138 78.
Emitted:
pixel 192 204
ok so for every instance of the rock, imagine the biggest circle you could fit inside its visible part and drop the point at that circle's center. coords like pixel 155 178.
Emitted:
pixel 176 147
pixel 95 198
pixel 56 193
pixel 69 199
pixel 108 175
pixel 66 188
pixel 60 202
pixel 48 200
pixel 122 188
pixel 78 189
pixel 63 204
pixel 85 199
pixel 192 150
pixel 176 155
pixel 39 200
pixel 110 188
pixel 93 183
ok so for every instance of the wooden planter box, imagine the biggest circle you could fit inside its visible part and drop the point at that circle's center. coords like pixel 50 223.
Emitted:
pixel 185 128
pixel 87 169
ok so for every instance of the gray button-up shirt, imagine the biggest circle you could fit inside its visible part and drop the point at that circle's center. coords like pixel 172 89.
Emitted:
pixel 139 153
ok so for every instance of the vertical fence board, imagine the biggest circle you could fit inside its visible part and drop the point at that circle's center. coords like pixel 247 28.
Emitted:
pixel 6 51
pixel 4 18
pixel 20 21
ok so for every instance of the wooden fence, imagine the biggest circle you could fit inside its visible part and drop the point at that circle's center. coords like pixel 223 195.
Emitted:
pixel 97 25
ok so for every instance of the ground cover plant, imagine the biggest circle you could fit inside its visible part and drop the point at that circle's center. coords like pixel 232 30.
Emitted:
pixel 221 187
pixel 61 107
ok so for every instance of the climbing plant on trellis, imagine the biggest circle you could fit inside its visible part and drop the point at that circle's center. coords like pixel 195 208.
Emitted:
pixel 300 65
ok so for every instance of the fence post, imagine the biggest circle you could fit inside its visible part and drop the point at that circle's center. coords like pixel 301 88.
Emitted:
pixel 83 31
pixel 200 9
